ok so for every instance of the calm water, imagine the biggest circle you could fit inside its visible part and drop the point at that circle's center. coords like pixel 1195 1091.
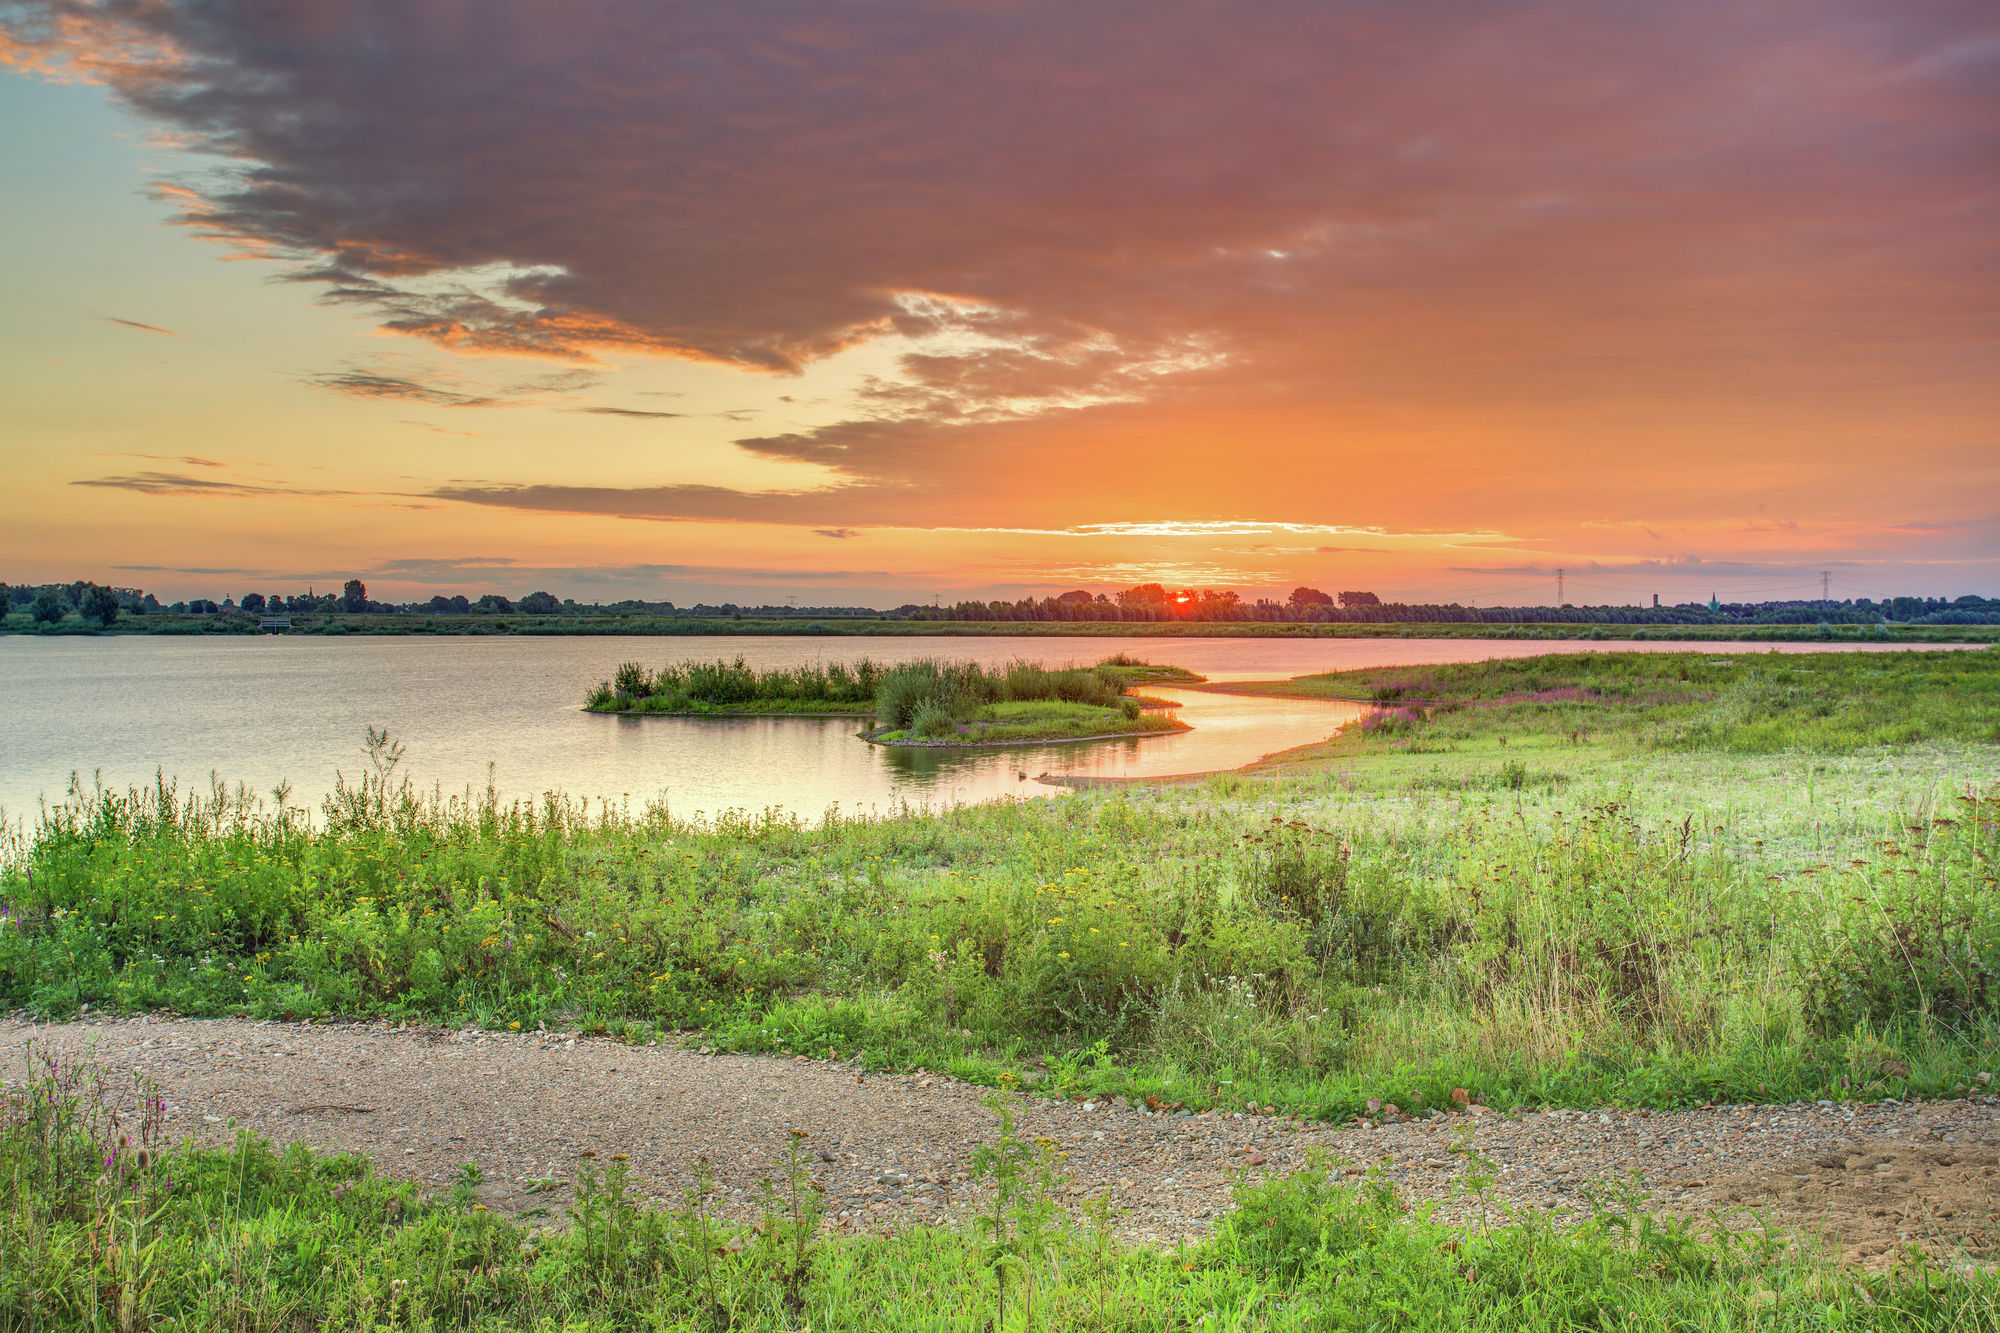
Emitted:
pixel 261 710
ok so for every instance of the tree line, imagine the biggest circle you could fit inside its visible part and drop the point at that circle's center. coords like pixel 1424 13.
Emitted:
pixel 52 603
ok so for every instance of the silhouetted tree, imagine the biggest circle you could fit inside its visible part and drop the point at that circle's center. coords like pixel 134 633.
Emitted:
pixel 1354 599
pixel 354 596
pixel 545 604
pixel 101 604
pixel 47 608
pixel 253 602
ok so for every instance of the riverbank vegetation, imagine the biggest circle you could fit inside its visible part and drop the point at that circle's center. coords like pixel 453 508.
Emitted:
pixel 937 702
pixel 927 702
pixel 833 688
pixel 1624 903
pixel 1745 702
pixel 105 1227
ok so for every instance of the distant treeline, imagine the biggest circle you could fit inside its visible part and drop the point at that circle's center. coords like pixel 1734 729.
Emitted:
pixel 1152 602
pixel 52 603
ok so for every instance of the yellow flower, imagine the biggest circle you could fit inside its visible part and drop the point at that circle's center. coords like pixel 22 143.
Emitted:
pixel 1062 955
pixel 514 1027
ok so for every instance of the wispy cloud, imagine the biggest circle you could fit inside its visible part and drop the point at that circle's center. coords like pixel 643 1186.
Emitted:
pixel 186 460
pixel 362 384
pixel 406 379
pixel 143 328
pixel 179 483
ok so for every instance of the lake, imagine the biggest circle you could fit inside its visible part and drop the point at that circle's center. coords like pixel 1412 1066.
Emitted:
pixel 267 709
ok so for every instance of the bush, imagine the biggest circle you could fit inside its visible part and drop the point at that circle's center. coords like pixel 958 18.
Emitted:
pixel 633 681
pixel 932 720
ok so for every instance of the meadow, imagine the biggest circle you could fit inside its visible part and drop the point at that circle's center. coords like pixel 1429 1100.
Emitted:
pixel 1577 893
pixel 1583 881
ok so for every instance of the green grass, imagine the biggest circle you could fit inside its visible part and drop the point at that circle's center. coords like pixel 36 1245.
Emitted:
pixel 1739 701
pixel 1575 918
pixel 951 693
pixel 104 1229
pixel 1037 721
pixel 725 688
pixel 1573 881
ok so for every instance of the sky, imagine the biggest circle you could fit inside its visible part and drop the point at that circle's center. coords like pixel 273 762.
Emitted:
pixel 870 303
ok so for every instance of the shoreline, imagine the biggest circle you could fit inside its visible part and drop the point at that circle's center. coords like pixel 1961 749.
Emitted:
pixel 664 712
pixel 1026 740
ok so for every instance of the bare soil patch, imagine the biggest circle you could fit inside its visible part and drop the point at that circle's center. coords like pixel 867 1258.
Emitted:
pixel 529 1108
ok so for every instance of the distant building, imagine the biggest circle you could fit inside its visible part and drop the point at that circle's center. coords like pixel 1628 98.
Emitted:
pixel 274 622
pixel 1713 605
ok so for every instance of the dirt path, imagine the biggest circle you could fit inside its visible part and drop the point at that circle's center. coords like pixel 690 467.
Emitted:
pixel 526 1107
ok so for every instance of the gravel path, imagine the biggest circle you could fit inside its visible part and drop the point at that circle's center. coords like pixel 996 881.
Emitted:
pixel 527 1107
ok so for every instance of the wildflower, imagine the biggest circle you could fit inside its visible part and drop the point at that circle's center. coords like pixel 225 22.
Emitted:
pixel 1062 955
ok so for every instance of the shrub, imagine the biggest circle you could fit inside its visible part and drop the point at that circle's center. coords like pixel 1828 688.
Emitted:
pixel 633 681
pixel 932 720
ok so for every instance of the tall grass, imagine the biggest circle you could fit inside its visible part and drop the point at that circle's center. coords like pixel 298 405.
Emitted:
pixel 956 690
pixel 1586 953
pixel 682 685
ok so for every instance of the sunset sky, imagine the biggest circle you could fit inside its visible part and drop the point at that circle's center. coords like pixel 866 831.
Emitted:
pixel 870 303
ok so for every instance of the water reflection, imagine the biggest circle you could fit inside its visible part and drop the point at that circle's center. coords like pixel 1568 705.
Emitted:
pixel 264 710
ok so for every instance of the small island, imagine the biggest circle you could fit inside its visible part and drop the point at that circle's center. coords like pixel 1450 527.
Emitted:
pixel 929 702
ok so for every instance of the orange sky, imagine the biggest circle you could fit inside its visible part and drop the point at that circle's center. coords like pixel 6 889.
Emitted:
pixel 867 304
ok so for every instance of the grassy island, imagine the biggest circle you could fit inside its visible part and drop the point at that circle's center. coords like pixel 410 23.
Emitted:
pixel 928 702
pixel 708 689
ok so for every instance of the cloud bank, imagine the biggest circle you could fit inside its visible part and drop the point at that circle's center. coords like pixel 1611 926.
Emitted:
pixel 1316 262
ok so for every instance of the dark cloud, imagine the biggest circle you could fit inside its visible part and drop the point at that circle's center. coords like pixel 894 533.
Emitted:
pixel 680 502
pixel 1372 260
pixel 838 534
pixel 756 184
pixel 143 328
pixel 628 412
